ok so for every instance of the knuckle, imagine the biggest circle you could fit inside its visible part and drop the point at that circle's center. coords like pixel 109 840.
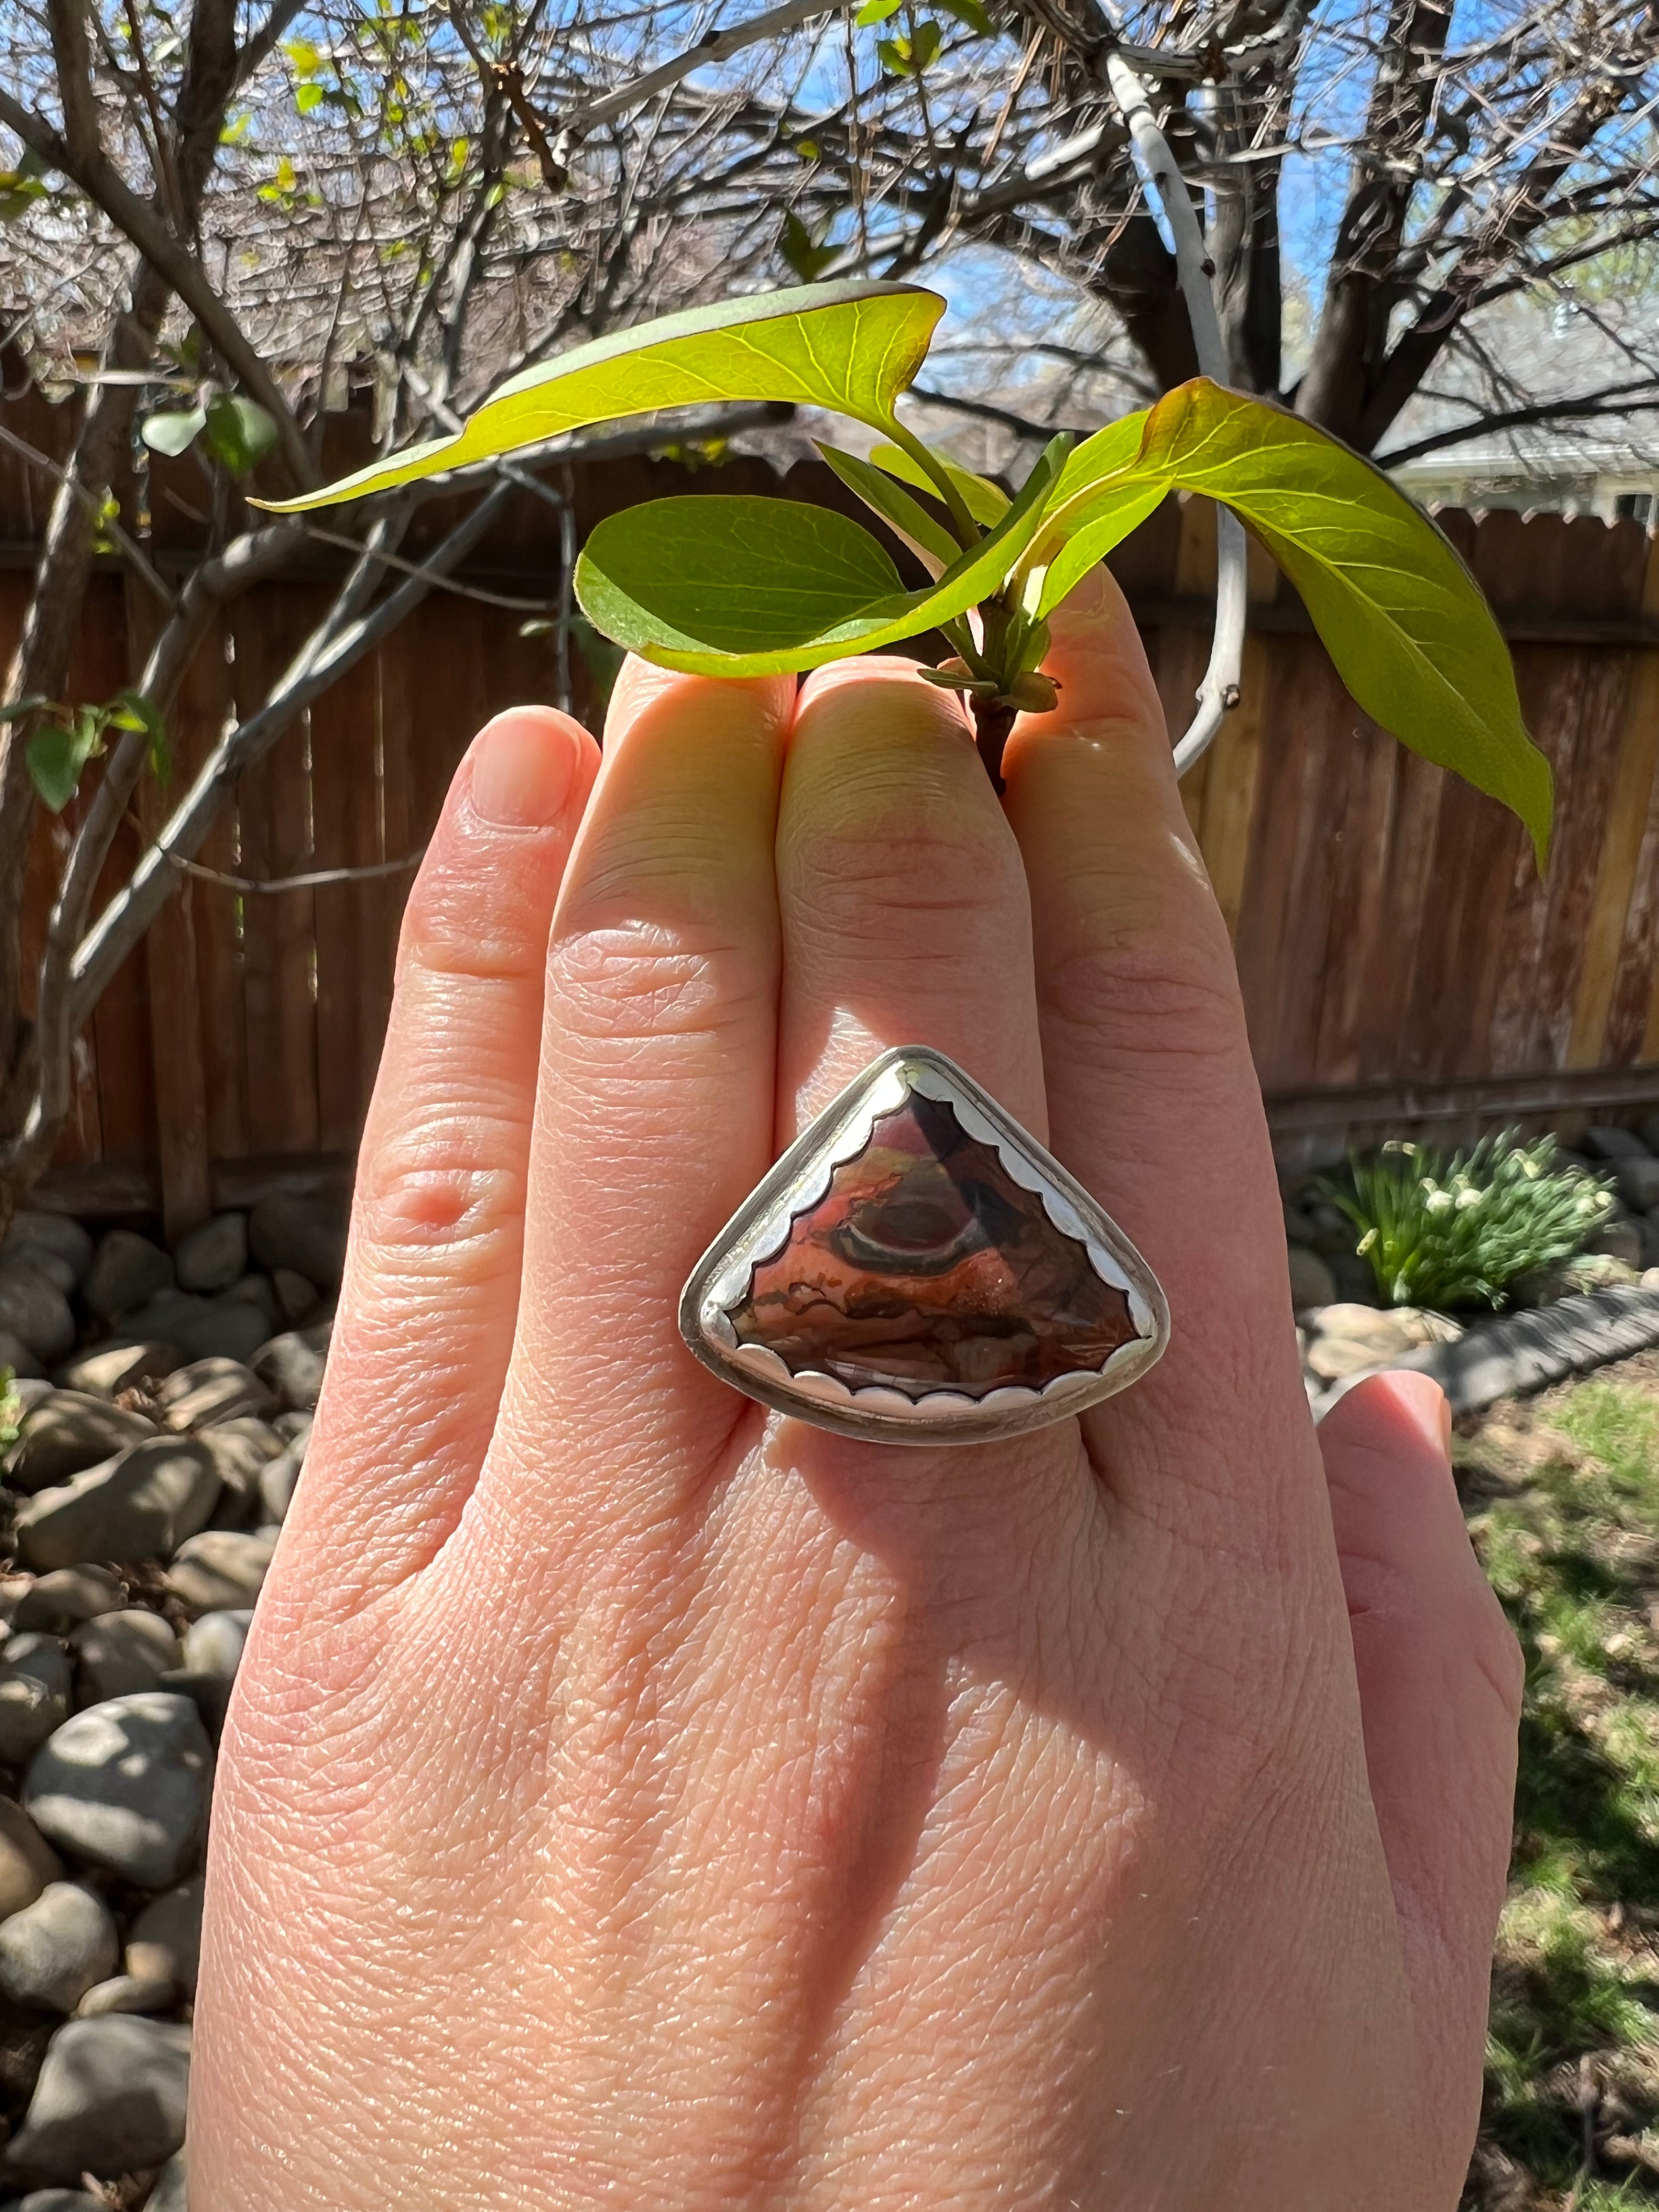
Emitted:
pixel 1165 997
pixel 439 1190
pixel 633 982
pixel 856 880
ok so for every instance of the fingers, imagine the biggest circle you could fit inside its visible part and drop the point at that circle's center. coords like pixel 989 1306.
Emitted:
pixel 1152 1097
pixel 431 1289
pixel 1440 1679
pixel 655 1113
pixel 904 911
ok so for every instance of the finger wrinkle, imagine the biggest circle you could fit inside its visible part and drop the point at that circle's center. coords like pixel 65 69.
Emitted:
pixel 639 983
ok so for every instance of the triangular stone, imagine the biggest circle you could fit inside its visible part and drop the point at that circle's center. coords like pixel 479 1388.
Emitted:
pixel 917 1266
pixel 924 1267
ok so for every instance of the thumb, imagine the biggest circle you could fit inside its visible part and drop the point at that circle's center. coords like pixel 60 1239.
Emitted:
pixel 1440 1679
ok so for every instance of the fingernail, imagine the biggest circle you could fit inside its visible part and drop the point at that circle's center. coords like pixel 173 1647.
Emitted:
pixel 522 767
pixel 1423 1400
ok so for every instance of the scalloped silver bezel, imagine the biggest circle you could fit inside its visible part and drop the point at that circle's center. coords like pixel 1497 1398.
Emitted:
pixel 761 1226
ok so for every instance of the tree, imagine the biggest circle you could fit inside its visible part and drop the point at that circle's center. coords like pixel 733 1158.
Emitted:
pixel 239 213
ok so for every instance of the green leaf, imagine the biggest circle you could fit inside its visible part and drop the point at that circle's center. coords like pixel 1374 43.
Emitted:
pixel 930 541
pixel 173 431
pixel 239 432
pixel 986 502
pixel 806 254
pixel 18 710
pixel 970 13
pixel 56 757
pixel 1100 498
pixel 852 347
pixel 305 58
pixel 1406 625
pixel 766 587
pixel 875 11
pixel 133 711
pixel 309 97
pixel 925 44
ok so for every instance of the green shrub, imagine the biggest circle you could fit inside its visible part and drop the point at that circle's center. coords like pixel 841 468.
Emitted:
pixel 1458 1232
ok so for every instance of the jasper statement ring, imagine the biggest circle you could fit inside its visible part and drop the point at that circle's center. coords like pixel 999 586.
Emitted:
pixel 917 1269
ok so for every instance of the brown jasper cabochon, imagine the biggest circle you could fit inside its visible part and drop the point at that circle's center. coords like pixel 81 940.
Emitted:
pixel 924 1267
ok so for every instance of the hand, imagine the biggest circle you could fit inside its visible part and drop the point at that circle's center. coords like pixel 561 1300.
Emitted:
pixel 631 1799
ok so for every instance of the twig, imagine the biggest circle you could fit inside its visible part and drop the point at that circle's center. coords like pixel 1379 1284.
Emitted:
pixel 270 885
pixel 717 46
pixel 1219 691
pixel 129 546
pixel 414 568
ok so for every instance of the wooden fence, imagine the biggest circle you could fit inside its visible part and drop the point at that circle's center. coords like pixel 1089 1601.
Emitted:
pixel 1401 961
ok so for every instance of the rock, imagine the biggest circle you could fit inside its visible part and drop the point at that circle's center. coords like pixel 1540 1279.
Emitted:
pixel 141 1505
pixel 173 1924
pixel 22 2050
pixel 122 1652
pixel 296 1294
pixel 305 1234
pixel 124 1786
pixel 278 1479
pixel 208 1391
pixel 128 1992
pixel 60 1600
pixel 241 1450
pixel 58 2200
pixel 58 1233
pixel 127 1271
pixel 210 1258
pixel 208 1693
pixel 1620 1238
pixel 16 1355
pixel 54 1950
pixel 292 1364
pixel 35 1678
pixel 1607 1142
pixel 259 1292
pixel 213 1644
pixel 222 1569
pixel 120 1364
pixel 33 1260
pixel 35 1312
pixel 1637 1179
pixel 222 1327
pixel 66 1432
pixel 294 1426
pixel 1312 1281
pixel 28 1861
pixel 168 2194
pixel 110 2100
pixel 1346 1339
pixel 1566 1278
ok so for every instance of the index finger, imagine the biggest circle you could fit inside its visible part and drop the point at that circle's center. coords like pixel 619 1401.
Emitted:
pixel 1153 1098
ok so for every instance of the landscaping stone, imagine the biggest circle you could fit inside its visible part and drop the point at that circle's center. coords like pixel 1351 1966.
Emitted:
pixel 140 1506
pixel 222 1569
pixel 222 1327
pixel 210 1258
pixel 36 1680
pixel 1347 1339
pixel 127 1271
pixel 35 1260
pixel 1638 1182
pixel 241 1450
pixel 68 1595
pixel 67 1430
pixel 209 1391
pixel 1312 1283
pixel 58 1233
pixel 16 1355
pixel 168 2194
pixel 1610 1143
pixel 213 1644
pixel 1514 1354
pixel 111 2100
pixel 296 1294
pixel 1621 1238
pixel 36 1312
pixel 28 1390
pixel 149 1991
pixel 292 1364
pixel 294 1426
pixel 172 1925
pixel 124 1786
pixel 58 2200
pixel 257 1291
pixel 305 1234
pixel 1565 1279
pixel 278 1479
pixel 53 1951
pixel 28 1861
pixel 118 1364
pixel 122 1652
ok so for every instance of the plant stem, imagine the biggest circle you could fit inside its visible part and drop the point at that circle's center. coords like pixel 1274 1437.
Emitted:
pixel 993 720
pixel 968 531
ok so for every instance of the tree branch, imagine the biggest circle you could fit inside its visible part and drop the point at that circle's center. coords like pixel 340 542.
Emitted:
pixel 718 46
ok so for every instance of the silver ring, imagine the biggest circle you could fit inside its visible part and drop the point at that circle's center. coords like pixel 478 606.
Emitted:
pixel 916 1269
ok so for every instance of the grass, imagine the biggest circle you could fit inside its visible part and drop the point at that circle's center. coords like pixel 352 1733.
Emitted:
pixel 1562 1498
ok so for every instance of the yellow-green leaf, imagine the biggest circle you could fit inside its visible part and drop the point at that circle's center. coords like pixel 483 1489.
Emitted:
pixel 930 541
pixel 986 502
pixel 850 346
